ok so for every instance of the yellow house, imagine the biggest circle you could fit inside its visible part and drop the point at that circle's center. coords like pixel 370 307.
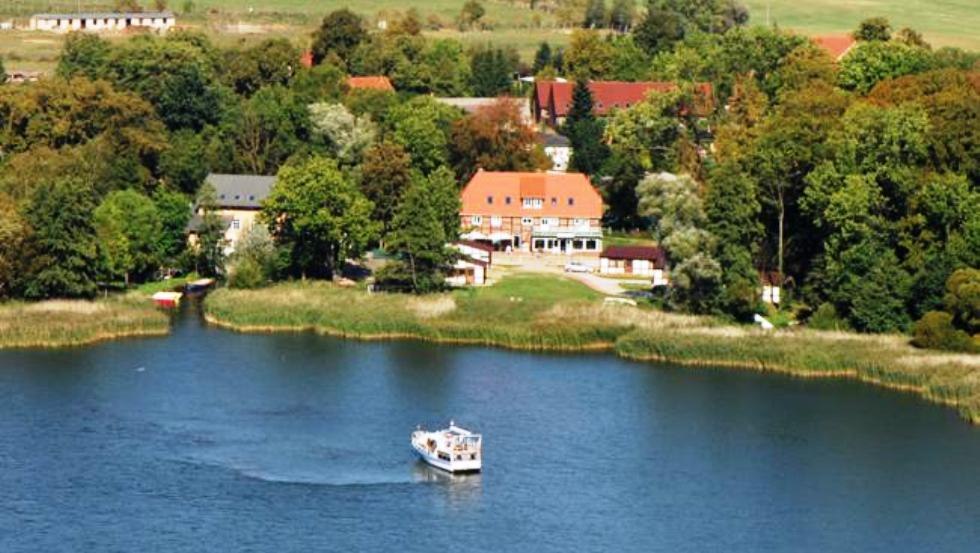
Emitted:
pixel 239 202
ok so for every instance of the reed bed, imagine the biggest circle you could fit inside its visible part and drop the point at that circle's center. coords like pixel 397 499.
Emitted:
pixel 538 312
pixel 57 323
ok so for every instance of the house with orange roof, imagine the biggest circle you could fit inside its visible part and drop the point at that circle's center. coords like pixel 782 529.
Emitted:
pixel 836 46
pixel 553 99
pixel 376 82
pixel 536 212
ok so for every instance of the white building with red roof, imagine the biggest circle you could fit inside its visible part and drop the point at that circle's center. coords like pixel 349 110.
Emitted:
pixel 539 212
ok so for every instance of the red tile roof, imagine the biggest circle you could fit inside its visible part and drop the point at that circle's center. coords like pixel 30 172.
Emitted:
pixel 562 195
pixel 650 253
pixel 306 59
pixel 835 45
pixel 607 95
pixel 374 82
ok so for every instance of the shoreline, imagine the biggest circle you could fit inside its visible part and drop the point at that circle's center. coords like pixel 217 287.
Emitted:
pixel 610 347
pixel 88 341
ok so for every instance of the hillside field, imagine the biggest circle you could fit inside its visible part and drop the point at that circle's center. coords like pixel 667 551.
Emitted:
pixel 230 22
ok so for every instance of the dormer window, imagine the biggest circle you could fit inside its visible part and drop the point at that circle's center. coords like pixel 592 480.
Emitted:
pixel 554 202
pixel 533 203
pixel 507 200
pixel 489 200
pixel 571 201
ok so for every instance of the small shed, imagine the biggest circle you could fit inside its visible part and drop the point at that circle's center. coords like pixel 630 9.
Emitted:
pixel 648 261
pixel 468 272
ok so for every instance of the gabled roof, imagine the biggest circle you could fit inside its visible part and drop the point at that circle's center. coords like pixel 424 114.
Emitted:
pixel 379 82
pixel 655 254
pixel 241 191
pixel 610 95
pixel 105 15
pixel 836 46
pixel 562 195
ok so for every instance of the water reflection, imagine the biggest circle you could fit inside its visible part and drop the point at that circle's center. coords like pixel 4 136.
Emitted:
pixel 460 489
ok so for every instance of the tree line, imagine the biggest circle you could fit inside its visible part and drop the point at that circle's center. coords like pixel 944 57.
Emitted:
pixel 102 163
pixel 853 184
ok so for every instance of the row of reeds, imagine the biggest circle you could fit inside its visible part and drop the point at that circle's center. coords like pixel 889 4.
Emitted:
pixel 542 312
pixel 58 323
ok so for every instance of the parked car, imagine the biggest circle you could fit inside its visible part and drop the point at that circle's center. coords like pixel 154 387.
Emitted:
pixel 577 267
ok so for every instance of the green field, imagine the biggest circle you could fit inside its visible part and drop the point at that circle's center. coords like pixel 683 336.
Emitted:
pixel 229 22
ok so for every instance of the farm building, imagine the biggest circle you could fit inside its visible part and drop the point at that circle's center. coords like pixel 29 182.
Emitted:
pixel 102 21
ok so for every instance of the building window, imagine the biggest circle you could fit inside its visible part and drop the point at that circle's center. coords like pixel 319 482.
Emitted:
pixel 495 221
pixel 548 221
pixel 571 201
pixel 507 200
pixel 251 198
pixel 578 222
pixel 590 244
pixel 236 224
pixel 489 200
pixel 476 220
pixel 554 202
pixel 527 221
pixel 533 203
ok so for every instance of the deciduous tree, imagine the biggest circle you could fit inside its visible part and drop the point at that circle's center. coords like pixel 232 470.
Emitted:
pixel 340 33
pixel 319 216
pixel 496 138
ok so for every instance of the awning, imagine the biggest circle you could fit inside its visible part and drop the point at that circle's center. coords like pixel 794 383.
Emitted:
pixel 501 236
pixel 585 234
pixel 475 235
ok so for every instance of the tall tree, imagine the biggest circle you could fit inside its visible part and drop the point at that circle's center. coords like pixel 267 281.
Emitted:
pixel 493 71
pixel 675 205
pixel 418 238
pixel 345 135
pixel 129 229
pixel 622 14
pixel 13 233
pixel 61 252
pixel 542 58
pixel 182 164
pixel 210 248
pixel 340 33
pixel 595 14
pixel 585 131
pixel 175 212
pixel 874 29
pixel 320 217
pixel 385 174
pixel 496 138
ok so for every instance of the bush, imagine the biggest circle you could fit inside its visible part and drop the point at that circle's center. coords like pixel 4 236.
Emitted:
pixel 247 273
pixel 826 318
pixel 935 330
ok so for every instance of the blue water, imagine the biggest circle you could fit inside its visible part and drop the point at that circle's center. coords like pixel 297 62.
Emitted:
pixel 213 441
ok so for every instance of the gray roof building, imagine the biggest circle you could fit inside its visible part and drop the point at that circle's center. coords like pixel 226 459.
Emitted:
pixel 241 191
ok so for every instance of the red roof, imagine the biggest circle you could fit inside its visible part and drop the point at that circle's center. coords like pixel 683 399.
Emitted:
pixel 835 45
pixel 373 82
pixel 306 59
pixel 492 193
pixel 476 245
pixel 607 95
pixel 650 253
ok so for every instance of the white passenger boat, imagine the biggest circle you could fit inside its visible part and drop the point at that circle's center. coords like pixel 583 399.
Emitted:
pixel 454 449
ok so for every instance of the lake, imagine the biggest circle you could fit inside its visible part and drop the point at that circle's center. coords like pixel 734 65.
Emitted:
pixel 213 441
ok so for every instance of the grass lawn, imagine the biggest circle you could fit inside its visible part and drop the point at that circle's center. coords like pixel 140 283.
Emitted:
pixel 538 311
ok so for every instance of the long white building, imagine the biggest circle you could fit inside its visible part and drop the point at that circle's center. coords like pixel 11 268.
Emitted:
pixel 105 21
